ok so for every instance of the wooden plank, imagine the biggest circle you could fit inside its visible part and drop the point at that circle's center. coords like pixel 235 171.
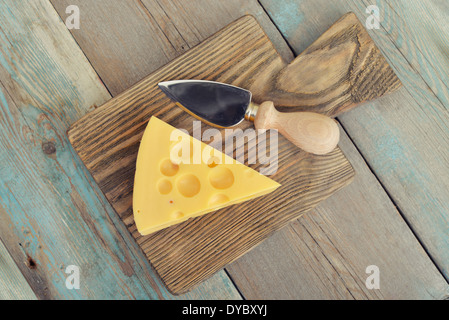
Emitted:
pixel 408 159
pixel 51 211
pixel 152 33
pixel 306 179
pixel 421 29
pixel 13 285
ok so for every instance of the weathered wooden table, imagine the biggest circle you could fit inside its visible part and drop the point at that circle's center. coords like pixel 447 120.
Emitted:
pixel 395 215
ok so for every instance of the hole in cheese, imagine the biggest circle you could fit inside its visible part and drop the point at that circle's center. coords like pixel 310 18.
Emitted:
pixel 221 178
pixel 177 215
pixel 164 186
pixel 168 168
pixel 218 199
pixel 188 185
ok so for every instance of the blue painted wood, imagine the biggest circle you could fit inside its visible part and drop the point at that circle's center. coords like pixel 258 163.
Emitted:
pixel 420 29
pixel 43 215
pixel 405 137
pixel 52 213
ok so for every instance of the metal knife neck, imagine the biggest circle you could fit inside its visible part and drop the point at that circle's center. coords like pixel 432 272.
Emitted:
pixel 251 111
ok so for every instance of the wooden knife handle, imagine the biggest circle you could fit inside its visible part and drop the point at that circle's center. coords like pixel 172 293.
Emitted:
pixel 312 132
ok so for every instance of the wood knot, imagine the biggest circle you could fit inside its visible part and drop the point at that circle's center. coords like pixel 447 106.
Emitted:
pixel 48 147
pixel 31 263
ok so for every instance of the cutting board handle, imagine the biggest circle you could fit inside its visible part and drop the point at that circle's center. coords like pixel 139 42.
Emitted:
pixel 312 132
pixel 340 70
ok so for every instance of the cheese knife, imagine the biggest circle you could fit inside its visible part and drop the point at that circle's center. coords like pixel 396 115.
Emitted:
pixel 222 105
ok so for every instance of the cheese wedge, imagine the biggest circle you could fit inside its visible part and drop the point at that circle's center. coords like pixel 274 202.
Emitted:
pixel 179 177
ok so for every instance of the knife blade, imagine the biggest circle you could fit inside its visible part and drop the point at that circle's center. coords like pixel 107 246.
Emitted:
pixel 223 105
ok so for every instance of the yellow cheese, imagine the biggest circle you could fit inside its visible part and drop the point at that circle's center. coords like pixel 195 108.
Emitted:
pixel 180 179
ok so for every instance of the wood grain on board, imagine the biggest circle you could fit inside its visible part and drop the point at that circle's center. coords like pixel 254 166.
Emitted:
pixel 405 138
pixel 101 32
pixel 339 70
pixel 52 212
pixel 107 141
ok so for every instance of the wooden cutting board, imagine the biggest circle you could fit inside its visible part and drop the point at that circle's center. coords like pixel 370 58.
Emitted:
pixel 341 69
